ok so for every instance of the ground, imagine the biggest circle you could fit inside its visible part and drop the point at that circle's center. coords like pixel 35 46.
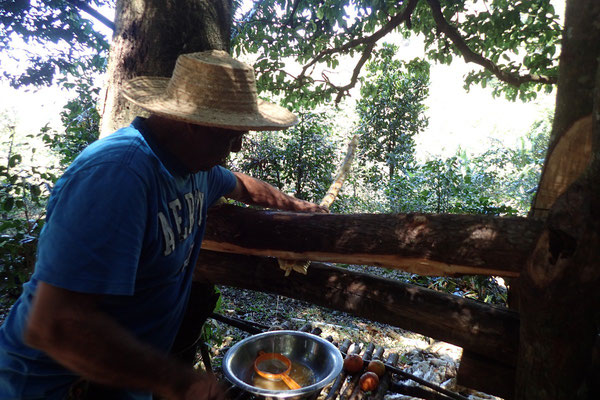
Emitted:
pixel 434 361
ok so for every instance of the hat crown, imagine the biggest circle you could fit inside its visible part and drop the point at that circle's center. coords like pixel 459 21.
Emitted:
pixel 209 88
pixel 213 80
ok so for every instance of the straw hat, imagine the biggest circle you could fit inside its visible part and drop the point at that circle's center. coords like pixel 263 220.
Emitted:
pixel 209 88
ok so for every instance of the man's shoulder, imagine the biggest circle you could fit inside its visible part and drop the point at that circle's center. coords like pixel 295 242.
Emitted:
pixel 124 147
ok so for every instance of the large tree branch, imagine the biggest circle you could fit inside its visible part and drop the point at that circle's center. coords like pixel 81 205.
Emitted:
pixel 470 56
pixel 419 243
pixel 476 326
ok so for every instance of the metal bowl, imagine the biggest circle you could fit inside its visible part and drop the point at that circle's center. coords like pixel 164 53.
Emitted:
pixel 322 358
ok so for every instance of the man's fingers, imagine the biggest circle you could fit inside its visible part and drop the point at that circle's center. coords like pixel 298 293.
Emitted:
pixel 321 209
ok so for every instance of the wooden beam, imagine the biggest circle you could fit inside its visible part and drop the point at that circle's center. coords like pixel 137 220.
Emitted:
pixel 426 244
pixel 479 327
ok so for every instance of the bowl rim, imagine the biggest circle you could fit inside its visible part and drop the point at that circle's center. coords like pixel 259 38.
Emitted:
pixel 337 366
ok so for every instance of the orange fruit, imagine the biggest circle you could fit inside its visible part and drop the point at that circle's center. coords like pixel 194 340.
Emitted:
pixel 353 363
pixel 377 367
pixel 368 381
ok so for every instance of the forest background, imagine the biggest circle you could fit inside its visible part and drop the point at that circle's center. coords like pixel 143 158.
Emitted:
pixel 394 107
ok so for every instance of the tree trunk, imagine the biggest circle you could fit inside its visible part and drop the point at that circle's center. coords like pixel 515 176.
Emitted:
pixel 424 244
pixel 559 296
pixel 560 301
pixel 479 327
pixel 479 372
pixel 148 37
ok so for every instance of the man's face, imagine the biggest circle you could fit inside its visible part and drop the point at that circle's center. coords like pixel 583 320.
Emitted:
pixel 211 146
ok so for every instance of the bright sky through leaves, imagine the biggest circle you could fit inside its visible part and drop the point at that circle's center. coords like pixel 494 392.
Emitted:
pixel 457 118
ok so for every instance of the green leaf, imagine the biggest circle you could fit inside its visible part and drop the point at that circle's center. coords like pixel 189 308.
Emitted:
pixel 35 190
pixel 14 160
pixel 8 204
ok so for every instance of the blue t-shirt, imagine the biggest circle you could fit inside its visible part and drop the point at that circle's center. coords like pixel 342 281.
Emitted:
pixel 126 220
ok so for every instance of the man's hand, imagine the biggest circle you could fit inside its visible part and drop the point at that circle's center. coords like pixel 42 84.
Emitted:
pixel 306 206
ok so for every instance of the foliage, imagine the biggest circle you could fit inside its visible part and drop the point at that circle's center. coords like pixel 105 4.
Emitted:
pixel 391 112
pixel 520 37
pixel 456 185
pixel 63 42
pixel 300 160
pixel 500 181
pixel 514 41
pixel 519 168
pixel 25 186
pixel 81 121
pixel 23 194
pixel 210 333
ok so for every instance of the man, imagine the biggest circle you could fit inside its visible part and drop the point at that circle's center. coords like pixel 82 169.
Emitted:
pixel 123 232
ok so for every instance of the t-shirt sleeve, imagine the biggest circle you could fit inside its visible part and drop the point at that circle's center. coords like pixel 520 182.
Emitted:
pixel 94 232
pixel 220 182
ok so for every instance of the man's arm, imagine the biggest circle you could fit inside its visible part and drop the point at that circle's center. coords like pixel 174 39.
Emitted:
pixel 69 327
pixel 256 192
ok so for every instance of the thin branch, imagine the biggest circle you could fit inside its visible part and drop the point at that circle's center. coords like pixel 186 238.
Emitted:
pixel 335 187
pixel 83 6
pixel 417 391
pixel 368 41
pixel 301 266
pixel 248 326
pixel 470 56
pixel 363 59
pixel 290 20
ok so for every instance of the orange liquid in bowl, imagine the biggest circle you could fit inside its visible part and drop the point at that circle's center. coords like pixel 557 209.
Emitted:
pixel 300 373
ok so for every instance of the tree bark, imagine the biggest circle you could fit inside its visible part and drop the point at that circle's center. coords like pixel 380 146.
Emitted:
pixel 560 301
pixel 479 372
pixel 438 245
pixel 148 37
pixel 558 290
pixel 479 327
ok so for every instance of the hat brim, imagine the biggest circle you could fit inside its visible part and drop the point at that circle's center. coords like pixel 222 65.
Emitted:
pixel 149 93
